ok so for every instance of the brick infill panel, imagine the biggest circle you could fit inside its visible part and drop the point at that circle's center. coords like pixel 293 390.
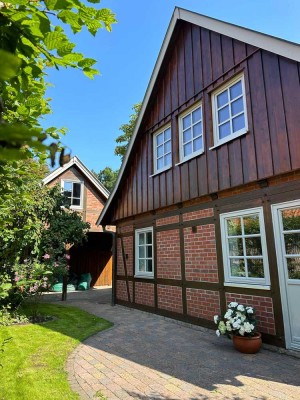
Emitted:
pixel 121 290
pixel 128 249
pixel 206 213
pixel 203 303
pixel 264 310
pixel 144 293
pixel 125 229
pixel 168 254
pixel 170 298
pixel 167 220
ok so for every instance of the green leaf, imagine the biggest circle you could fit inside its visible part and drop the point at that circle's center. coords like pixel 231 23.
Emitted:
pixel 90 73
pixel 94 1
pixel 58 4
pixel 87 62
pixel 9 66
pixel 73 57
pixel 93 26
pixel 53 40
pixel 65 49
pixel 32 101
pixel 72 19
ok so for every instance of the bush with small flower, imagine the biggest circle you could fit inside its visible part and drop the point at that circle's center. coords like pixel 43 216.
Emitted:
pixel 238 320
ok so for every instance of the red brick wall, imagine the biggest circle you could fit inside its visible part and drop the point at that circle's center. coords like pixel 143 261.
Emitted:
pixel 168 254
pixel 203 303
pixel 144 293
pixel 264 309
pixel 167 220
pixel 207 212
pixel 121 290
pixel 128 249
pixel 200 254
pixel 169 298
pixel 125 229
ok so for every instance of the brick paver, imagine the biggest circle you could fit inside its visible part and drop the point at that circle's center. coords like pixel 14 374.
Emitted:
pixel 148 357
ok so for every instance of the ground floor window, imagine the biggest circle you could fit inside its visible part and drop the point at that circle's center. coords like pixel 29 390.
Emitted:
pixel 144 252
pixel 244 247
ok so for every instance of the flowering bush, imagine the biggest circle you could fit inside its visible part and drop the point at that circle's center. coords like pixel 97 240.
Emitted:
pixel 238 320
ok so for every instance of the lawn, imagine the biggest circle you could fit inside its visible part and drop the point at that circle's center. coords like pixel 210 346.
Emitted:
pixel 34 359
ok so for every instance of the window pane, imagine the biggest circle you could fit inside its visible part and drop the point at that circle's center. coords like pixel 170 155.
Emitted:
pixel 198 144
pixel 197 129
pixel 149 237
pixel 237 267
pixel 149 251
pixel 292 243
pixel 251 224
pixel 160 163
pixel 160 139
pixel 255 268
pixel 75 202
pixel 223 114
pixel 67 193
pixel 149 265
pixel 235 90
pixel 141 252
pixel 253 246
pixel 234 227
pixel 76 189
pixel 160 151
pixel 222 99
pixel 224 130
pixel 196 115
pixel 167 146
pixel 187 135
pixel 142 265
pixel 237 106
pixel 291 219
pixel 186 121
pixel 141 238
pixel 187 149
pixel 238 123
pixel 293 265
pixel 168 160
pixel 235 247
pixel 168 134
pixel 68 186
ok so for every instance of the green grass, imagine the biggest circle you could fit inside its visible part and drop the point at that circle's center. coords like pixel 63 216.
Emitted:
pixel 34 359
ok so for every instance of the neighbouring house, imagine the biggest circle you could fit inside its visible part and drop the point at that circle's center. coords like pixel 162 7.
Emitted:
pixel 87 196
pixel 207 203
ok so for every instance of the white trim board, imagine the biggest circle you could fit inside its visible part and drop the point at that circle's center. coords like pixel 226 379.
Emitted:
pixel 270 43
pixel 83 169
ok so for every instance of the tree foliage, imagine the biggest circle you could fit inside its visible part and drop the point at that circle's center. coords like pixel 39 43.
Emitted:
pixel 107 177
pixel 32 38
pixel 127 130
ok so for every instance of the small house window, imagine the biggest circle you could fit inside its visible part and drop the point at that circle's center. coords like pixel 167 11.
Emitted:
pixel 191 133
pixel 73 192
pixel 144 252
pixel 244 247
pixel 162 147
pixel 229 111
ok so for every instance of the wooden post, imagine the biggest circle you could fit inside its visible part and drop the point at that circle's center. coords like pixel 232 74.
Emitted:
pixel 65 277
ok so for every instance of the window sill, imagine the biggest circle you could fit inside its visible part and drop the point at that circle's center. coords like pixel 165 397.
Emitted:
pixel 144 276
pixel 228 140
pixel 190 158
pixel 248 286
pixel 160 171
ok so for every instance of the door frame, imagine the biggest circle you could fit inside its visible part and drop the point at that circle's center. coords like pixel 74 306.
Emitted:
pixel 282 271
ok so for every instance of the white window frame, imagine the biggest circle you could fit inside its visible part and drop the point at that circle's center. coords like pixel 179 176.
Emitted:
pixel 165 167
pixel 259 283
pixel 80 207
pixel 217 141
pixel 180 120
pixel 145 274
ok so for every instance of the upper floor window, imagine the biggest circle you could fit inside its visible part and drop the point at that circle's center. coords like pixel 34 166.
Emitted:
pixel 162 148
pixel 73 190
pixel 144 252
pixel 229 111
pixel 191 133
pixel 244 247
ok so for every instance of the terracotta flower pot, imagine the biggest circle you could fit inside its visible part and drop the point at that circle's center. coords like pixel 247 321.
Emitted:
pixel 248 345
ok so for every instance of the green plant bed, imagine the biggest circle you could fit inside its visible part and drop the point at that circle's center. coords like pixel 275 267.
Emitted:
pixel 34 359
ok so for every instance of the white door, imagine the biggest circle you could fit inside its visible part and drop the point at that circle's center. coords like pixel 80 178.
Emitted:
pixel 286 221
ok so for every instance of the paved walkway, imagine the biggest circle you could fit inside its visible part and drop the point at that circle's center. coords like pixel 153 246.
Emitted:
pixel 148 357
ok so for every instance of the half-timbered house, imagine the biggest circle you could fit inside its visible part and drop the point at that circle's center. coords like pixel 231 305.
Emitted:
pixel 207 203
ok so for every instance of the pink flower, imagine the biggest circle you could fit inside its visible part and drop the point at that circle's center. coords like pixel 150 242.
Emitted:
pixel 46 256
pixel 55 265
pixel 67 256
pixel 17 278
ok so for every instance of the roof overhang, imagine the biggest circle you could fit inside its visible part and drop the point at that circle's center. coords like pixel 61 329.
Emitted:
pixel 270 43
pixel 83 169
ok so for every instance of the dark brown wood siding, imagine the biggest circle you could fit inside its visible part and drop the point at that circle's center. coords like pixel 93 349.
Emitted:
pixel 197 62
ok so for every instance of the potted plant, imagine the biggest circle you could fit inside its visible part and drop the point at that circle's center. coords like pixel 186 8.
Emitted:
pixel 239 322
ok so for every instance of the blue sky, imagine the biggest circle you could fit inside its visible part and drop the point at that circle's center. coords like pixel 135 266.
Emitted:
pixel 93 110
